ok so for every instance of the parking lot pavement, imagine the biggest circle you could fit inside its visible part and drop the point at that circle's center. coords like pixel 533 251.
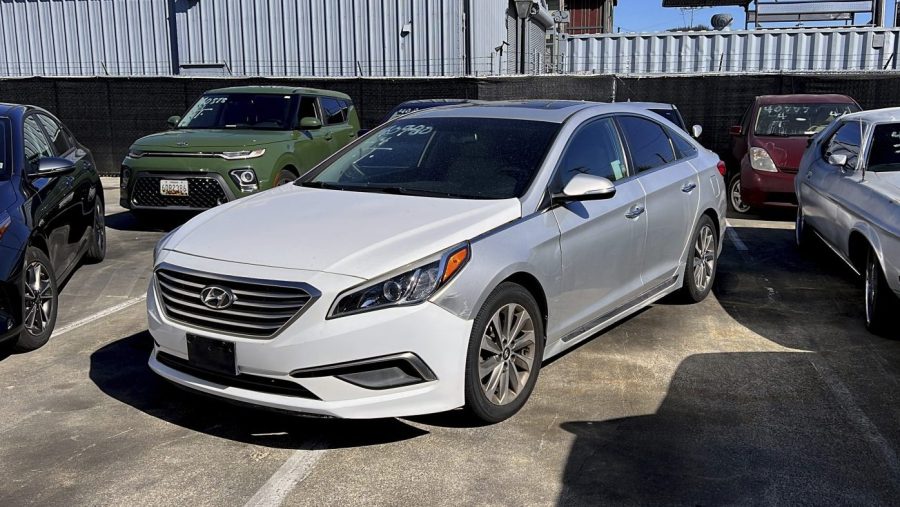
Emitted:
pixel 771 391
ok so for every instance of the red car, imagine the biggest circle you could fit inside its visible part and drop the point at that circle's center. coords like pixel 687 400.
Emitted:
pixel 770 141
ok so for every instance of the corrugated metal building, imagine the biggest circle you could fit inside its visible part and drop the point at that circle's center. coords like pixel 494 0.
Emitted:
pixel 746 51
pixel 327 38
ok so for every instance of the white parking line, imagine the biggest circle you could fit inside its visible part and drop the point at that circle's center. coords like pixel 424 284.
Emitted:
pixel 735 239
pixel 99 315
pixel 288 476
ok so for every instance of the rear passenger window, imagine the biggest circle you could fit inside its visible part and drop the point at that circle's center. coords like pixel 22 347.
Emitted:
pixel 683 147
pixel 333 110
pixel 647 142
pixel 595 149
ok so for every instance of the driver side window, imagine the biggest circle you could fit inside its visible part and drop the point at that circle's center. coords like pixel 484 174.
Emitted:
pixel 846 141
pixel 35 141
pixel 595 149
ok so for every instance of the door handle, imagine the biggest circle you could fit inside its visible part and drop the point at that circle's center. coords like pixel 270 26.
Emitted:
pixel 635 211
pixel 688 187
pixel 809 174
pixel 329 137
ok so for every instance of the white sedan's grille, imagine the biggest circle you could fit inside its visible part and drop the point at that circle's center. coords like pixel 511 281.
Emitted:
pixel 257 309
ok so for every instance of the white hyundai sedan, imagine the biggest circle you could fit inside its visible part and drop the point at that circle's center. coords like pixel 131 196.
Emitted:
pixel 436 262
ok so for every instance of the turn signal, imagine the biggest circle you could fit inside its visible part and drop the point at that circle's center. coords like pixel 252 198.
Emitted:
pixel 456 261
pixel 721 167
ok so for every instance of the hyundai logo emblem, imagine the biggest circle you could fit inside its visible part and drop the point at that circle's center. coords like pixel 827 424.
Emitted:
pixel 216 297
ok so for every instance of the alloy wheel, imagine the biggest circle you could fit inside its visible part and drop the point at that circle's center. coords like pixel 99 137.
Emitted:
pixel 704 258
pixel 735 195
pixel 871 291
pixel 38 298
pixel 99 228
pixel 507 354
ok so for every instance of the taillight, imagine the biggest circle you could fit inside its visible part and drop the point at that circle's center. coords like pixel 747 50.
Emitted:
pixel 721 167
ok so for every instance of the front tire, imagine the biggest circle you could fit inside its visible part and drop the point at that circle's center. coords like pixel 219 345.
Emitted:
pixel 735 202
pixel 881 304
pixel 97 250
pixel 284 177
pixel 802 234
pixel 39 301
pixel 700 270
pixel 506 347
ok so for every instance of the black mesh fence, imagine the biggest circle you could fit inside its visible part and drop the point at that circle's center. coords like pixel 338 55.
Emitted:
pixel 108 114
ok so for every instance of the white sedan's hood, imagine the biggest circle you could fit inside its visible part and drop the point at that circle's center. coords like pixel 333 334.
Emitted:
pixel 350 233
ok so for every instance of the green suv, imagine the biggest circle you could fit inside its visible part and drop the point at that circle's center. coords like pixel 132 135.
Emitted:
pixel 234 142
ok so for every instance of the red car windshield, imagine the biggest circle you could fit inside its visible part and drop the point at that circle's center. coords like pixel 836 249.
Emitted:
pixel 798 120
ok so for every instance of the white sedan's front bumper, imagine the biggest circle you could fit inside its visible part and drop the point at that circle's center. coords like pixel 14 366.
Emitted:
pixel 437 337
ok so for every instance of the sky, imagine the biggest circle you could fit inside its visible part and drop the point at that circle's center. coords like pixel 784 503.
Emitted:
pixel 650 16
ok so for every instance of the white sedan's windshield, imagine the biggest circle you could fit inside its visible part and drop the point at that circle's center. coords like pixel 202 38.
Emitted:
pixel 474 158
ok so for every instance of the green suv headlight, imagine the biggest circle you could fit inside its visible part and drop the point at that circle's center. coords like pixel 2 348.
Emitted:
pixel 410 287
pixel 242 155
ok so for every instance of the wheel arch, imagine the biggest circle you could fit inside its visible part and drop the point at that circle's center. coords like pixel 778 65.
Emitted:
pixel 859 243
pixel 532 285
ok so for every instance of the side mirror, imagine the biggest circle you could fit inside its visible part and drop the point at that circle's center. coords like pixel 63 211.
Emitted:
pixel 736 130
pixel 586 187
pixel 696 131
pixel 49 167
pixel 837 160
pixel 310 123
pixel 172 122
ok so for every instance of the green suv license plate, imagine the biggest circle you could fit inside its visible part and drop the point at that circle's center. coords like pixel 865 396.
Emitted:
pixel 211 355
pixel 173 187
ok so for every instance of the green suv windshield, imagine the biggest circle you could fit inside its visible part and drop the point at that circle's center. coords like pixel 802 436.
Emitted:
pixel 470 158
pixel 241 111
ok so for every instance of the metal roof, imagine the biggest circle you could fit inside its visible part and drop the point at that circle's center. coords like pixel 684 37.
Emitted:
pixel 887 114
pixel 805 98
pixel 554 111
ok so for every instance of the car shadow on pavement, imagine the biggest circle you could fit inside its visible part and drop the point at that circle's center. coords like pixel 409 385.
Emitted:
pixel 734 428
pixel 120 370
pixel 161 222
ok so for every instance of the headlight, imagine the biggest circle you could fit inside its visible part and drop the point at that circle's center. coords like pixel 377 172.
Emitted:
pixel 133 153
pixel 161 244
pixel 242 155
pixel 5 222
pixel 245 178
pixel 412 286
pixel 761 161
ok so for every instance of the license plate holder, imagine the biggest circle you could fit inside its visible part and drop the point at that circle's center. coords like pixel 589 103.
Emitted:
pixel 177 188
pixel 211 354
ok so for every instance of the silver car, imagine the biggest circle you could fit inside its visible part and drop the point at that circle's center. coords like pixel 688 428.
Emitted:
pixel 848 188
pixel 436 262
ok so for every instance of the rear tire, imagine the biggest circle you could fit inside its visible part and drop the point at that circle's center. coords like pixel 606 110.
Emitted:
pixel 39 301
pixel 735 203
pixel 881 303
pixel 702 262
pixel 506 347
pixel 97 250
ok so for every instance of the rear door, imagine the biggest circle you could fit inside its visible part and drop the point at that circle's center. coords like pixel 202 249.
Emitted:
pixel 671 184
pixel 601 241
pixel 339 130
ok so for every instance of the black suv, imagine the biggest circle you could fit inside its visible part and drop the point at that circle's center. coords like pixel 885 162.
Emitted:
pixel 51 216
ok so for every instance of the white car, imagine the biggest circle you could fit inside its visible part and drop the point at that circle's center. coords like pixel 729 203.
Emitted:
pixel 436 262
pixel 848 189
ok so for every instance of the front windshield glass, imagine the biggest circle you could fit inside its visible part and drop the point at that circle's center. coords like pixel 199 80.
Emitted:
pixel 5 147
pixel 798 120
pixel 240 111
pixel 468 158
pixel 885 153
